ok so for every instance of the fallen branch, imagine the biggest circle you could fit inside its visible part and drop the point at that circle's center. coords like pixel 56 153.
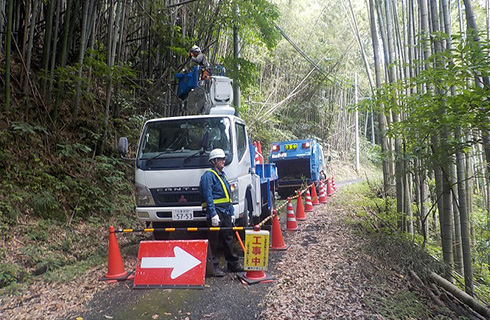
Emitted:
pixel 430 293
pixel 461 295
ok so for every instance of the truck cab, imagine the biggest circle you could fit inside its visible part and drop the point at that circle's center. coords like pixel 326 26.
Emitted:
pixel 173 155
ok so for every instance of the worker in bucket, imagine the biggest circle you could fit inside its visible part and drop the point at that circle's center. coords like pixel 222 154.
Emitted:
pixel 199 59
pixel 215 193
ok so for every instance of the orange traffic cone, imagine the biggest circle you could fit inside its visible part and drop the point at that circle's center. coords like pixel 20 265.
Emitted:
pixel 291 224
pixel 323 196
pixel 115 268
pixel 329 187
pixel 334 187
pixel 308 204
pixel 258 153
pixel 254 277
pixel 277 239
pixel 259 147
pixel 300 211
pixel 314 197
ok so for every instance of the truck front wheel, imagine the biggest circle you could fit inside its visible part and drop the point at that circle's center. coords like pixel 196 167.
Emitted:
pixel 247 214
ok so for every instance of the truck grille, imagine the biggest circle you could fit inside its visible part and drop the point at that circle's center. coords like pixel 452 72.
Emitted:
pixel 175 197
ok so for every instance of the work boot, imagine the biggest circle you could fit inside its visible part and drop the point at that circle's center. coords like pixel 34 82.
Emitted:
pixel 235 267
pixel 218 272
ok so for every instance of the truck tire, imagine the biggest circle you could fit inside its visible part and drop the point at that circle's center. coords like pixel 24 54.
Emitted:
pixel 247 218
pixel 265 210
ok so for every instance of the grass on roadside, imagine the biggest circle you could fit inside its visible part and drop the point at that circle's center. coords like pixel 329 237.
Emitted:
pixel 392 295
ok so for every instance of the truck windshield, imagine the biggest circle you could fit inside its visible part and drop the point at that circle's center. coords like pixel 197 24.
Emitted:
pixel 173 144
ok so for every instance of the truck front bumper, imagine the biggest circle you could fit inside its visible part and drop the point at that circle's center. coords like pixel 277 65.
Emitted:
pixel 165 214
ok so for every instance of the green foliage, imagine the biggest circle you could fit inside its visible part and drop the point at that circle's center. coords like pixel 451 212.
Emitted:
pixel 10 273
pixel 245 76
pixel 72 150
pixel 256 20
pixel 46 205
pixel 42 259
pixel 404 304
pixel 27 129
pixel 432 112
pixel 40 231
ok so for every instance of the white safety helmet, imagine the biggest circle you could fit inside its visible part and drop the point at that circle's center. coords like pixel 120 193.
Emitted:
pixel 216 154
pixel 195 49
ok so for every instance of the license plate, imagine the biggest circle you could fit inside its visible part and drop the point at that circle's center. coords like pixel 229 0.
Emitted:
pixel 293 146
pixel 182 214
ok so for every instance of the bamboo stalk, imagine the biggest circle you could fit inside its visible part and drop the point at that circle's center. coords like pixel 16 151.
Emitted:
pixel 461 295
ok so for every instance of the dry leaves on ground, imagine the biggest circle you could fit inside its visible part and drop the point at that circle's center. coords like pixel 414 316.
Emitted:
pixel 324 274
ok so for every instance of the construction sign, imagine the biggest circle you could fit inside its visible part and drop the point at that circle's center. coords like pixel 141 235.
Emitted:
pixel 256 250
pixel 171 263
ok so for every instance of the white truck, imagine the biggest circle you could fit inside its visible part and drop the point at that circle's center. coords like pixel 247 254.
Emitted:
pixel 173 154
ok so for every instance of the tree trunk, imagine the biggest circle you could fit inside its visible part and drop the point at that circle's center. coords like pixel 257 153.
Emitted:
pixel 81 55
pixel 55 44
pixel 385 148
pixel 8 46
pixel 464 217
pixel 47 45
pixel 30 44
pixel 361 46
pixel 475 305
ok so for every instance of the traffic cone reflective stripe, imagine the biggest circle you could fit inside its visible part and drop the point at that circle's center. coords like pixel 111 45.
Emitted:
pixel 323 196
pixel 259 148
pixel 308 204
pixel 115 268
pixel 300 211
pixel 314 197
pixel 277 238
pixel 291 224
pixel 334 187
pixel 258 158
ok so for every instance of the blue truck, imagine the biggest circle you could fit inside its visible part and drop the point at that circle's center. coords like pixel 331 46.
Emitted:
pixel 298 162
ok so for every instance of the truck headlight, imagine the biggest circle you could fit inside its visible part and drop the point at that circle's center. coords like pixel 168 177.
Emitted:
pixel 143 196
pixel 234 191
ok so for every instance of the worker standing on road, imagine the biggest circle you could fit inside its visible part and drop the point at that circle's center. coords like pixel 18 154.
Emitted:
pixel 200 59
pixel 215 193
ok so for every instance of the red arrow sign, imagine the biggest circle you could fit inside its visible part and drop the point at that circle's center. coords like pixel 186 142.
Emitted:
pixel 171 263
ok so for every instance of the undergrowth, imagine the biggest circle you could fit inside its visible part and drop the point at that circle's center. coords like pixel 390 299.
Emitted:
pixel 376 219
pixel 58 196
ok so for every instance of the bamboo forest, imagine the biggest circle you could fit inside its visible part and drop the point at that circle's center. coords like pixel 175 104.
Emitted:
pixel 394 91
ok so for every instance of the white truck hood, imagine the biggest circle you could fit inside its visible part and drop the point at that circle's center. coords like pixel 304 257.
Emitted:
pixel 169 178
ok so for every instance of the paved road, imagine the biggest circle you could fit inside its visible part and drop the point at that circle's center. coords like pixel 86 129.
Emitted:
pixel 221 298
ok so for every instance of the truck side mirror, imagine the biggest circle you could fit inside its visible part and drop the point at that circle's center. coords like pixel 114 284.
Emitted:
pixel 122 146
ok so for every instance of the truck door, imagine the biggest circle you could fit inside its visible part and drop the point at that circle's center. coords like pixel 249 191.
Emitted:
pixel 244 165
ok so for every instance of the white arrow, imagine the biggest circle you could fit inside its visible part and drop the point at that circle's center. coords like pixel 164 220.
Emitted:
pixel 181 262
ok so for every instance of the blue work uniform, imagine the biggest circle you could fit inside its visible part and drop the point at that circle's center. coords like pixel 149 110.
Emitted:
pixel 216 200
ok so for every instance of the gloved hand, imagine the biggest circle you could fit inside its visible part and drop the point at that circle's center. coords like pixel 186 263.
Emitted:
pixel 233 219
pixel 215 220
